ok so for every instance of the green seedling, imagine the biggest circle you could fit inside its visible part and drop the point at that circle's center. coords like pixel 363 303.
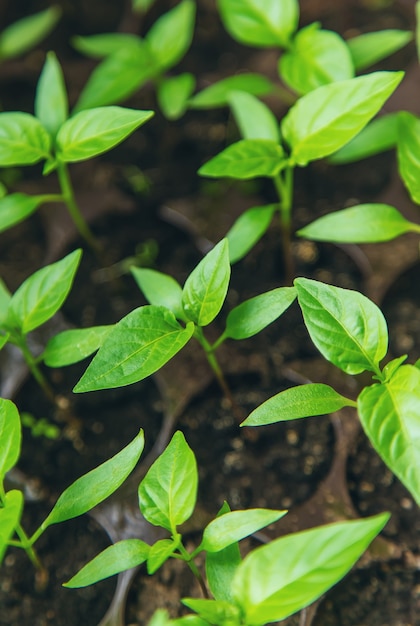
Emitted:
pixel 350 331
pixel 56 139
pixel 269 584
pixel 318 125
pixel 148 337
pixel 130 61
pixel 28 32
pixel 82 496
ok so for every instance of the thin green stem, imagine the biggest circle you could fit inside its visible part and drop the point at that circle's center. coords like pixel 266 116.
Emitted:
pixel 35 370
pixel 283 183
pixel 415 228
pixel 24 541
pixel 193 567
pixel 70 201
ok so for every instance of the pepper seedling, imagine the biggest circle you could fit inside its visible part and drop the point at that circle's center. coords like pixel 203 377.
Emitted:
pixel 269 584
pixel 148 337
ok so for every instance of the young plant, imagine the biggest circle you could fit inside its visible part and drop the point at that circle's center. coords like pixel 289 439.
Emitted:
pixel 269 584
pixel 79 498
pixel 318 125
pixel 56 139
pixel 27 32
pixel 350 331
pixel 148 337
pixel 131 61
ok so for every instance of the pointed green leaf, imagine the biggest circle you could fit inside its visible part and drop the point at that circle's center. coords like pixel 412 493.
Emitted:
pixel 236 525
pixel 120 75
pixel 248 230
pixel 4 338
pixel 23 139
pixel 95 486
pixel 5 297
pixel 51 104
pixel 391 367
pixel 221 566
pixel 74 345
pixel 10 436
pixel 42 294
pixel 408 152
pixel 105 44
pixel 245 159
pixel 16 207
pixel 206 287
pixel 170 36
pixel 347 328
pixel 325 119
pixel 390 417
pixel 10 513
pixel 298 402
pixel 117 558
pixel 95 131
pixel 370 48
pixel 27 32
pixel 262 23
pixel 160 552
pixel 287 574
pixel 379 135
pixel 159 289
pixel 365 223
pixel 253 117
pixel 173 94
pixel 317 57
pixel 136 347
pixel 251 316
pixel 217 95
pixel 168 492
pixel 214 611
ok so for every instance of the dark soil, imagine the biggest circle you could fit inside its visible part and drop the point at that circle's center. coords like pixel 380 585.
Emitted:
pixel 311 467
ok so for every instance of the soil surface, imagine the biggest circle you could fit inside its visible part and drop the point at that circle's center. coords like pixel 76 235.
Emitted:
pixel 145 200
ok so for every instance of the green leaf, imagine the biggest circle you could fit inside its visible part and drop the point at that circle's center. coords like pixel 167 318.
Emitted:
pixel 10 436
pixel 16 207
pixel 245 159
pixel 236 525
pixel 159 289
pixel 10 513
pixel 51 104
pixel 251 316
pixel 119 76
pixel 217 95
pixel 27 32
pixel 105 44
pixel 221 566
pixel 23 139
pixel 173 94
pixel 206 287
pixel 408 152
pixel 389 414
pixel 3 339
pixel 160 552
pixel 287 574
pixel 95 486
pixel 42 294
pixel 5 297
pixel 262 23
pixel 171 35
pixel 72 346
pixel 187 620
pixel 365 223
pixel 317 57
pixel 214 611
pixel 142 6
pixel 95 131
pixel 253 117
pixel 136 347
pixel 325 119
pixel 347 328
pixel 297 402
pixel 379 135
pixel 117 558
pixel 168 492
pixel 248 230
pixel 370 48
pixel 391 367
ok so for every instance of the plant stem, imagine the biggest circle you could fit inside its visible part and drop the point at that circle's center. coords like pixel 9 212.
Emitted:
pixel 70 201
pixel 283 183
pixel 35 370
pixel 193 567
